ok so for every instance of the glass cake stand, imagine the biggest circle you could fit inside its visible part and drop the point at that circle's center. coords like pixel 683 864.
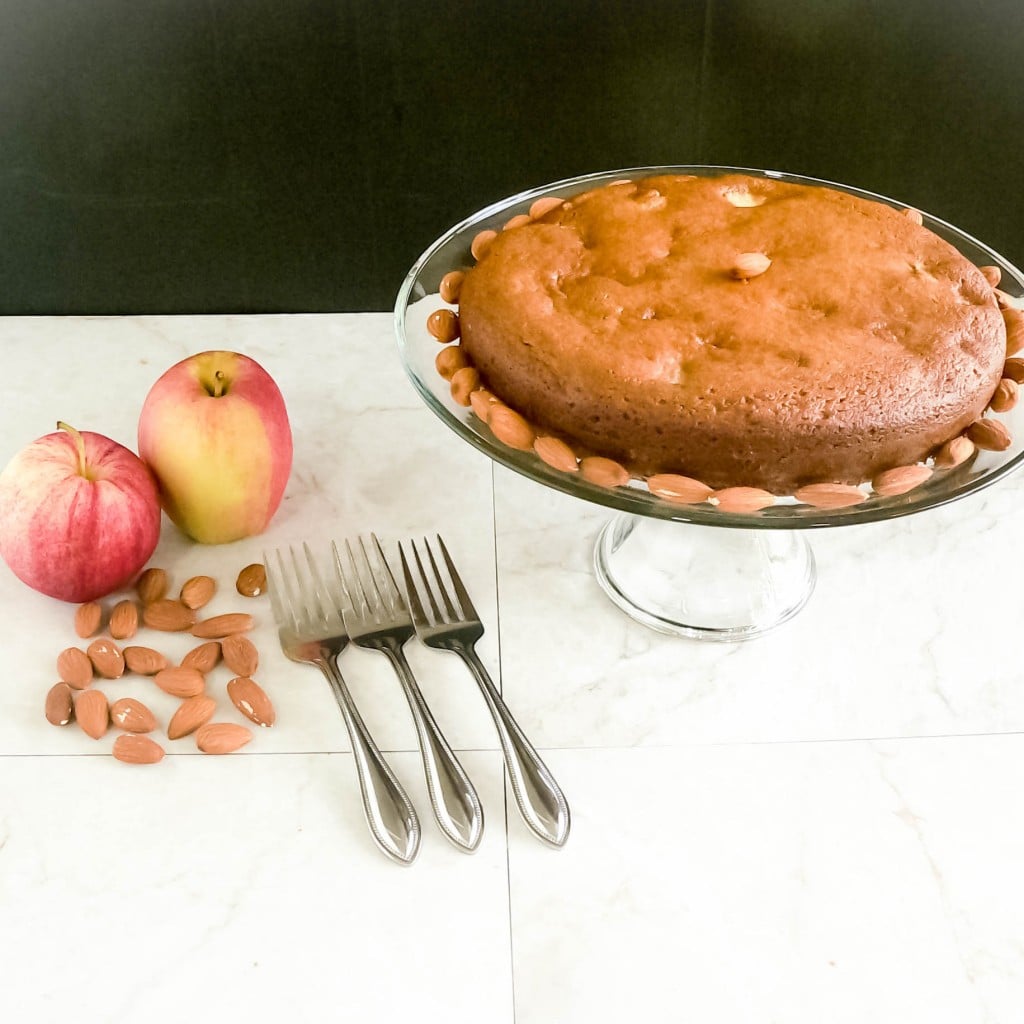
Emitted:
pixel 690 570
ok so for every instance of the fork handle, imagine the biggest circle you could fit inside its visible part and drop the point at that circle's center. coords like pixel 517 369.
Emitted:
pixel 453 799
pixel 539 798
pixel 389 812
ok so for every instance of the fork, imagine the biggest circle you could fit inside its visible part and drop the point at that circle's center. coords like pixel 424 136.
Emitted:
pixel 539 798
pixel 377 618
pixel 311 630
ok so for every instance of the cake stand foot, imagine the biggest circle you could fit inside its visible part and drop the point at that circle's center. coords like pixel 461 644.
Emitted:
pixel 705 582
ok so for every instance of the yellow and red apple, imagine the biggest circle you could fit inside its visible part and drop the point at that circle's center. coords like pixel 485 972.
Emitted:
pixel 214 431
pixel 79 515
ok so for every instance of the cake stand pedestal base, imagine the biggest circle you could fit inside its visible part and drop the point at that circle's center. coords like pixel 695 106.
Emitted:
pixel 704 582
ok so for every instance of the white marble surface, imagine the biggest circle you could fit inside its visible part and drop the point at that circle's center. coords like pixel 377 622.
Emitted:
pixel 820 825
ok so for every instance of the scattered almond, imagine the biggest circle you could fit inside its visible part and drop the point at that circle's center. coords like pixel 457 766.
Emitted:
pixel 240 654
pixel 191 714
pixel 748 265
pixel 249 697
pixel 900 480
pixel 1014 369
pixel 481 243
pixel 133 749
pixel 556 453
pixel 510 428
pixel 168 615
pixel 443 325
pixel 220 626
pixel 990 434
pixel 449 360
pixel 742 499
pixel 181 682
pixel 197 591
pixel 954 452
pixel 1005 396
pixel 451 285
pixel 88 617
pixel 830 495
pixel 202 658
pixel 152 585
pixel 463 383
pixel 993 275
pixel 252 580
pixel 144 661
pixel 74 668
pixel 132 715
pixel 60 707
pixel 1014 319
pixel 92 713
pixel 222 737
pixel 106 658
pixel 124 620
pixel 596 469
pixel 675 487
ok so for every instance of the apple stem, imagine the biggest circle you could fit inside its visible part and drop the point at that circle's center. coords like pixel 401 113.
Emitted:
pixel 79 444
pixel 218 384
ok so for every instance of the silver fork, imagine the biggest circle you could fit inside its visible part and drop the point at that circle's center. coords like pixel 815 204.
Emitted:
pixel 311 630
pixel 457 628
pixel 377 618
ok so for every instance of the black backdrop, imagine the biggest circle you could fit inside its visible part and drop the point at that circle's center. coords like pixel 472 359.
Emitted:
pixel 298 155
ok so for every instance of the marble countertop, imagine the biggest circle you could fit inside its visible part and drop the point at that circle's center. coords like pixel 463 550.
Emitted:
pixel 820 825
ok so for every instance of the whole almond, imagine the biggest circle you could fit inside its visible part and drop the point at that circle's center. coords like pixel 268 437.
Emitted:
pixel 510 428
pixel 682 489
pixel 450 360
pixel 92 713
pixel 539 207
pixel 74 668
pixel 1014 319
pixel 482 402
pixel 252 580
pixel 900 480
pixel 749 264
pixel 443 325
pixel 197 591
pixel 954 452
pixel 556 453
pixel 181 682
pixel 481 243
pixel 913 215
pixel 1005 396
pixel 742 499
pixel 144 661
pixel 191 714
pixel 132 715
pixel 203 658
pixel 152 585
pixel 222 737
pixel 60 708
pixel 124 620
pixel 451 285
pixel 88 617
pixel 168 615
pixel 990 434
pixel 249 697
pixel 1004 300
pixel 596 469
pixel 1014 369
pixel 106 658
pixel 220 626
pixel 463 383
pixel 992 274
pixel 830 495
pixel 240 654
pixel 132 749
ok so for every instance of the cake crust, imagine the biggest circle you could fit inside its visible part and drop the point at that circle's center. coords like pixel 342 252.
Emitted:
pixel 616 320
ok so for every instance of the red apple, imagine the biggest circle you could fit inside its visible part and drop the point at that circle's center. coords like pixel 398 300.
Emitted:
pixel 79 515
pixel 214 430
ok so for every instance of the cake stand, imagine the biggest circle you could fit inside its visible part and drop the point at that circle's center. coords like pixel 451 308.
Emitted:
pixel 690 570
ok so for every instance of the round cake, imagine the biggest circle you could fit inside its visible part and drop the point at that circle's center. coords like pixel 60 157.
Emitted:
pixel 744 332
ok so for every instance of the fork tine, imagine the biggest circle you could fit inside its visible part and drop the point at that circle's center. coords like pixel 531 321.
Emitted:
pixel 385 578
pixel 468 611
pixel 284 616
pixel 356 583
pixel 453 613
pixel 418 613
pixel 315 590
pixel 288 589
pixel 438 616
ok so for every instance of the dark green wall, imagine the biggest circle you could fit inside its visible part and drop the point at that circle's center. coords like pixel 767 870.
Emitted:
pixel 278 155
